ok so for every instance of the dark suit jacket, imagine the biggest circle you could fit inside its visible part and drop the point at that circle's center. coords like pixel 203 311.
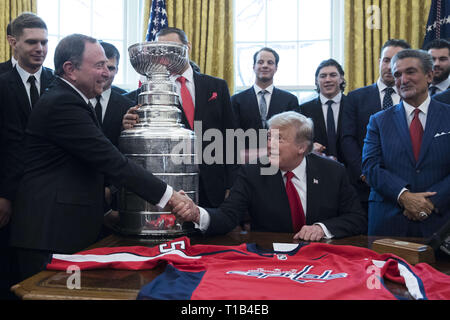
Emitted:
pixel 443 97
pixel 389 166
pixel 264 198
pixel 118 106
pixel 6 66
pixel 313 109
pixel 59 203
pixel 15 110
pixel 246 109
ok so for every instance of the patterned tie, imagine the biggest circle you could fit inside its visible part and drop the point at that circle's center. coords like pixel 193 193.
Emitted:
pixel 387 100
pixel 331 131
pixel 263 107
pixel 34 94
pixel 432 90
pixel 416 133
pixel 98 110
pixel 188 104
pixel 297 213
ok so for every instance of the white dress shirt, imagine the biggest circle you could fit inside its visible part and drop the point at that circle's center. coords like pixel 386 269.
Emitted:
pixel 169 191
pixel 382 87
pixel 267 95
pixel 24 75
pixel 300 183
pixel 104 100
pixel 442 86
pixel 335 107
pixel 409 113
pixel 190 84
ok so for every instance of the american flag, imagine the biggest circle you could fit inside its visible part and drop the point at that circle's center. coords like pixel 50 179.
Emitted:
pixel 438 26
pixel 158 19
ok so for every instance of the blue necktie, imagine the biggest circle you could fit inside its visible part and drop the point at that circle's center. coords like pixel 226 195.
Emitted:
pixel 331 131
pixel 387 100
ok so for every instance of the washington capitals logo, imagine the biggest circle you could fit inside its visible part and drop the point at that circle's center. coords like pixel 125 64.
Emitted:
pixel 302 276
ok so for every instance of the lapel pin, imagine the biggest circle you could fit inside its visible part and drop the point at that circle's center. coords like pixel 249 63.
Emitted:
pixel 315 181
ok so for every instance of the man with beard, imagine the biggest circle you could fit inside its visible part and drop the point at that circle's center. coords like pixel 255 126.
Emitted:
pixel 439 50
pixel 363 103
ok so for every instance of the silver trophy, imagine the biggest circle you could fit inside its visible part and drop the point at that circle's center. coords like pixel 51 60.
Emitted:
pixel 159 142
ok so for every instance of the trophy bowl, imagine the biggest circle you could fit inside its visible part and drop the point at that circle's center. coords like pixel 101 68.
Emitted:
pixel 153 58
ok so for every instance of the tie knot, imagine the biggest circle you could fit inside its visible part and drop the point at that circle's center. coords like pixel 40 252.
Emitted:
pixel 181 79
pixel 416 112
pixel 31 79
pixel 262 92
pixel 329 103
pixel 99 97
pixel 389 90
pixel 289 175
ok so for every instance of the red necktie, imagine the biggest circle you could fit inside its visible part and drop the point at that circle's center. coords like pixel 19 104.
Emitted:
pixel 188 105
pixel 416 133
pixel 297 214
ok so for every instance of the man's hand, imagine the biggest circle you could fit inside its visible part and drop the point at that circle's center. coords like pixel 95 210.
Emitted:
pixel 310 233
pixel 5 211
pixel 184 207
pixel 130 118
pixel 317 147
pixel 416 203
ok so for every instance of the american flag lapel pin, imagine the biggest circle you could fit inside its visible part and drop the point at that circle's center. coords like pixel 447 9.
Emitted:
pixel 315 181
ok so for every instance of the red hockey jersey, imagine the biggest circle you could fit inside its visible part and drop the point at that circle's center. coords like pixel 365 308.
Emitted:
pixel 246 272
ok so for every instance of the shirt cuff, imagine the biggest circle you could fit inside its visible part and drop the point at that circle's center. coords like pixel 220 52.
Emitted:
pixel 204 220
pixel 166 197
pixel 328 234
pixel 401 192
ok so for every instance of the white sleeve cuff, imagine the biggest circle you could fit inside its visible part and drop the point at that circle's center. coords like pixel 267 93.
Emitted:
pixel 203 224
pixel 166 197
pixel 328 234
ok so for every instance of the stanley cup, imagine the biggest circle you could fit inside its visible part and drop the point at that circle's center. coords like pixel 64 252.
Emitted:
pixel 159 142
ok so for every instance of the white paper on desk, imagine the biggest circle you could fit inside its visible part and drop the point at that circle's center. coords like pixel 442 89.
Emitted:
pixel 284 247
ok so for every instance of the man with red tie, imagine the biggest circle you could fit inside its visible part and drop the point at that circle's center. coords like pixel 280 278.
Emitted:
pixel 307 194
pixel 406 155
pixel 205 104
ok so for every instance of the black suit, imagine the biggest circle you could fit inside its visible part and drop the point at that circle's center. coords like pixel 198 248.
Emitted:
pixel 59 205
pixel 246 109
pixel 331 200
pixel 117 107
pixel 15 110
pixel 6 66
pixel 313 109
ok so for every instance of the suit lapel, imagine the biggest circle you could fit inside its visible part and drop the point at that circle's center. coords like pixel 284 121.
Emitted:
pixel 403 131
pixel 432 124
pixel 321 126
pixel 18 87
pixel 313 193
pixel 273 104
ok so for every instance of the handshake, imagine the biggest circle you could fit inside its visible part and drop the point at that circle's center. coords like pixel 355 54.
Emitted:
pixel 183 207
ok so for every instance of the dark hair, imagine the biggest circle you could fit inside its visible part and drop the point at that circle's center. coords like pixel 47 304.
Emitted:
pixel 425 58
pixel 110 51
pixel 70 48
pixel 26 20
pixel 438 44
pixel 395 43
pixel 181 34
pixel 8 30
pixel 331 63
pixel 275 54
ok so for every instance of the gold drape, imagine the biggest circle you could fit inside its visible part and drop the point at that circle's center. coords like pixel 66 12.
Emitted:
pixel 209 27
pixel 370 23
pixel 10 9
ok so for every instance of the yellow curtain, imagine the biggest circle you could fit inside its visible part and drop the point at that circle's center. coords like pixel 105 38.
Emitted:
pixel 370 23
pixel 209 27
pixel 10 9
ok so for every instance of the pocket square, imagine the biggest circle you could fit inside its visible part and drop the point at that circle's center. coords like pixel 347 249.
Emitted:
pixel 441 134
pixel 213 97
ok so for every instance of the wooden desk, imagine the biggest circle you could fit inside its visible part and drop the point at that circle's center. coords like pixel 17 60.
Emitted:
pixel 125 285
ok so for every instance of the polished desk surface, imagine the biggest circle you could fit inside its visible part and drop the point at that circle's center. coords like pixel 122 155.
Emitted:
pixel 124 285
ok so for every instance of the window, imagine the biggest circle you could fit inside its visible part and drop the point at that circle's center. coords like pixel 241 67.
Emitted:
pixel 112 21
pixel 303 32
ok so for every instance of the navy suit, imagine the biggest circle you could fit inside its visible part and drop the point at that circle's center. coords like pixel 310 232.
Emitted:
pixel 246 109
pixel 443 97
pixel 313 109
pixel 6 66
pixel 389 166
pixel 341 213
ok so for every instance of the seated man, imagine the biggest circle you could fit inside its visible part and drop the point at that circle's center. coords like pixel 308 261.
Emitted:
pixel 308 195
